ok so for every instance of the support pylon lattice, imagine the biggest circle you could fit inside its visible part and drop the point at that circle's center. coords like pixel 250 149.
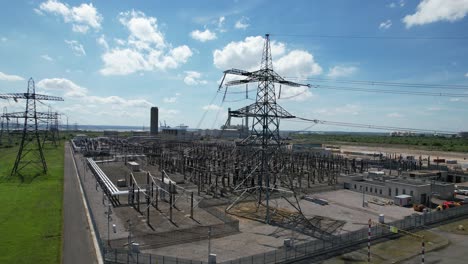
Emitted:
pixel 266 114
pixel 30 152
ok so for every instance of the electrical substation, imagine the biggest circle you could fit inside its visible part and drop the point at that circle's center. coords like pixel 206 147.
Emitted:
pixel 170 193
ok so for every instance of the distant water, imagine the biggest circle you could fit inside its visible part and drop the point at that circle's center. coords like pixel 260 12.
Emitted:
pixel 109 128
pixel 103 128
pixel 141 128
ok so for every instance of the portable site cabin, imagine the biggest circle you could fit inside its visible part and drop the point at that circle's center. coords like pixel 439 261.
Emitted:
pixel 134 166
pixel 403 200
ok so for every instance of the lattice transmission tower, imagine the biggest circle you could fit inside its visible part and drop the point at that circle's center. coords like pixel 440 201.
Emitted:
pixel 5 127
pixel 30 151
pixel 266 114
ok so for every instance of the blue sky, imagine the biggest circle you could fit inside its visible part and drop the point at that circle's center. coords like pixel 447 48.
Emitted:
pixel 112 61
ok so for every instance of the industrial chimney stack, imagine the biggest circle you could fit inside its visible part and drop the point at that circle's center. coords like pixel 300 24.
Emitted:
pixel 154 120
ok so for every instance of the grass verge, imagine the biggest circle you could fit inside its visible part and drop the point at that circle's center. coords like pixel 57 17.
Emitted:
pixel 31 210
pixel 454 227
pixel 393 250
pixel 415 142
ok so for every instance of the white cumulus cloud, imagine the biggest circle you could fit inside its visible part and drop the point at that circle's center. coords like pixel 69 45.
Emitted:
pixel 242 23
pixel 82 17
pixel 297 63
pixel 430 11
pixel 203 36
pixel 348 109
pixel 193 78
pixel 46 57
pixel 76 47
pixel 170 100
pixel 466 75
pixel 69 88
pixel 245 54
pixel 295 93
pixel 386 24
pixel 221 21
pixel 145 49
pixel 143 29
pixel 395 115
pixel 102 42
pixel 341 71
pixel 400 3
pixel 212 107
pixel 11 78
pixel 119 101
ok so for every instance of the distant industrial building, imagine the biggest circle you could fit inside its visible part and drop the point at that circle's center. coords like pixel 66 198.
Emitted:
pixel 438 175
pixel 227 133
pixel 379 184
pixel 154 122
pixel 463 134
pixel 111 133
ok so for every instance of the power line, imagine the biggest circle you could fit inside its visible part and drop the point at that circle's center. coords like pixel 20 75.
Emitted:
pixel 373 90
pixel 378 127
pixel 383 83
pixel 373 37
pixel 357 89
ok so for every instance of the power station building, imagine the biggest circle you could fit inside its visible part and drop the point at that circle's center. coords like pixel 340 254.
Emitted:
pixel 154 121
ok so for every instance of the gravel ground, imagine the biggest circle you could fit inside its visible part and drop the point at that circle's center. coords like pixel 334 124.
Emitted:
pixel 254 237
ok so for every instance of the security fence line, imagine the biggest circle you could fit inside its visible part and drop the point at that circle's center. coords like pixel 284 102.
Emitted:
pixel 304 250
pixel 289 254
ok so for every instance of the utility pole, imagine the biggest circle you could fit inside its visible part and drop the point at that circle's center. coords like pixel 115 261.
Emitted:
pixel 363 198
pixel 129 234
pixel 209 242
pixel 109 212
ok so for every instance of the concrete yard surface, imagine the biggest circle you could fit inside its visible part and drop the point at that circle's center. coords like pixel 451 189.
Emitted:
pixel 256 237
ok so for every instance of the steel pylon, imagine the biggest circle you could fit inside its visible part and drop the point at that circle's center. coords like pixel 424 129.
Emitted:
pixel 30 152
pixel 266 113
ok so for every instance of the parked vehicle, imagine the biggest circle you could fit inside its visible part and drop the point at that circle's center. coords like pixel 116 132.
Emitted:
pixel 461 191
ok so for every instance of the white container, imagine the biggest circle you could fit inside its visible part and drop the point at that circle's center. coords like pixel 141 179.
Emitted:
pixel 135 247
pixel 212 259
pixel 381 218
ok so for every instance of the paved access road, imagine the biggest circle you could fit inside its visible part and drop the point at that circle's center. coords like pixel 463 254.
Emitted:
pixel 77 242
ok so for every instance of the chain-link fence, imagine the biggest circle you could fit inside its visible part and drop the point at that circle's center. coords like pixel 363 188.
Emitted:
pixel 307 249
pixel 124 256
pixel 320 247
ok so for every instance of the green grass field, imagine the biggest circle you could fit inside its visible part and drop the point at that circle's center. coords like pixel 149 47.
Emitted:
pixel 419 142
pixel 31 210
